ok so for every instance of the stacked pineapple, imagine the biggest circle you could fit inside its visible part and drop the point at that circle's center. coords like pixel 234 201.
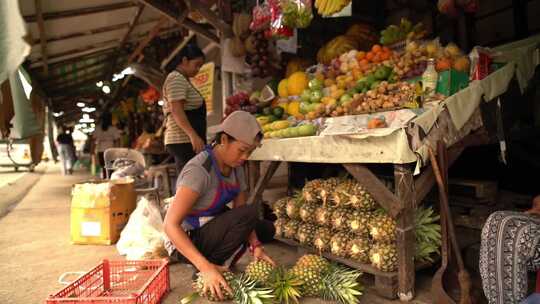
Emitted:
pixel 339 216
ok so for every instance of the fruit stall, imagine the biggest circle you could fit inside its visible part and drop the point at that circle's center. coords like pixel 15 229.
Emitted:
pixel 366 98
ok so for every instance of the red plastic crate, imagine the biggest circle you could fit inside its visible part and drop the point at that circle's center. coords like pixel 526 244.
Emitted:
pixel 118 282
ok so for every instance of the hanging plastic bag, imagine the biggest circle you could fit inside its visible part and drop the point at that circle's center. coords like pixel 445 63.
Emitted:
pixel 142 237
pixel 278 29
pixel 297 13
pixel 261 17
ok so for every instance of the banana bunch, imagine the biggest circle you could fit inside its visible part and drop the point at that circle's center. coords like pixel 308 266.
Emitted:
pixel 329 7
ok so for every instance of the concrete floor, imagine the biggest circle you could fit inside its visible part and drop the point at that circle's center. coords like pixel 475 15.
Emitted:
pixel 36 249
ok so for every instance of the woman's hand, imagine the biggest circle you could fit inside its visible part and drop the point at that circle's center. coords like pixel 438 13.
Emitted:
pixel 197 143
pixel 213 281
pixel 535 210
pixel 259 254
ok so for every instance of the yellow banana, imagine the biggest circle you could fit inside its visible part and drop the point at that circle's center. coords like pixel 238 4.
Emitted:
pixel 334 7
pixel 322 7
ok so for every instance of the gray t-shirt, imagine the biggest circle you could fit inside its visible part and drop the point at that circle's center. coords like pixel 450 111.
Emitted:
pixel 200 176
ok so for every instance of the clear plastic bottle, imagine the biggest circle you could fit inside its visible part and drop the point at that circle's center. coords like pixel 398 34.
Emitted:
pixel 430 78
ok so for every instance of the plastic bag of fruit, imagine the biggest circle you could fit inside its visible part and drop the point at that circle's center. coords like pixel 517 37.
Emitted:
pixel 297 13
pixel 278 29
pixel 261 17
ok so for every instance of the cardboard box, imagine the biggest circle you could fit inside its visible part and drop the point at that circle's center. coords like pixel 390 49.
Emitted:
pixel 451 81
pixel 100 210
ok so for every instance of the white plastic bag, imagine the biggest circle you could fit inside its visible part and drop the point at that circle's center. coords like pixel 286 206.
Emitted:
pixel 142 237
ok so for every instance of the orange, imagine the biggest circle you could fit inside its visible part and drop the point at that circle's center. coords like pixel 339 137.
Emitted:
pixel 360 55
pixel 377 58
pixel 364 62
pixel 376 48
pixel 386 49
pixel 385 56
pixel 369 56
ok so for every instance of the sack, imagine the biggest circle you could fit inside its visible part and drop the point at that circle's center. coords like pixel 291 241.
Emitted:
pixel 142 237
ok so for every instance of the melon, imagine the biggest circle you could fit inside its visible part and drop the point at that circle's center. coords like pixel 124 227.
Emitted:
pixel 297 83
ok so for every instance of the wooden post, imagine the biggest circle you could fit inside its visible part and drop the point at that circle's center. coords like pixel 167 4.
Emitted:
pixel 254 173
pixel 404 185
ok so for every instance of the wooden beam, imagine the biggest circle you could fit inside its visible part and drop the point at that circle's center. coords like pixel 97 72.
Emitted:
pixel 79 84
pixel 95 31
pixel 211 17
pixel 99 47
pixel 42 36
pixel 376 188
pixel 256 193
pixel 80 11
pixel 405 238
pixel 149 37
pixel 132 25
pixel 78 68
pixel 425 182
pixel 164 9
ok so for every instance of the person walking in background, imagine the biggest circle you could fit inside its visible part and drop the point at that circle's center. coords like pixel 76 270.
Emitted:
pixel 105 136
pixel 184 107
pixel 64 141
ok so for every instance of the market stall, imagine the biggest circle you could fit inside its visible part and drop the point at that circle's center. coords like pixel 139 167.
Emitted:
pixel 332 114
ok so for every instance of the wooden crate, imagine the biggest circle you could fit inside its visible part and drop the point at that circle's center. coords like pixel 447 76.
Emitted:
pixel 480 189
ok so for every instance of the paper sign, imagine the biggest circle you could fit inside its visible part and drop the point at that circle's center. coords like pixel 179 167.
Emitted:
pixel 204 82
pixel 90 229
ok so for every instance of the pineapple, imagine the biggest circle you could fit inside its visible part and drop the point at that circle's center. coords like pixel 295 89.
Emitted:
pixel 309 269
pixel 286 287
pixel 339 243
pixel 310 192
pixel 313 262
pixel 306 233
pixel 358 222
pixel 358 250
pixel 331 282
pixel 291 229
pixel 383 256
pixel 323 216
pixel 322 239
pixel 382 228
pixel 428 234
pixel 292 208
pixel 279 225
pixel 245 291
pixel 280 207
pixel 340 218
pixel 327 188
pixel 307 212
pixel 351 193
pixel 260 271
pixel 311 280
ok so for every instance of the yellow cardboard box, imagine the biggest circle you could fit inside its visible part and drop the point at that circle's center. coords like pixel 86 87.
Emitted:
pixel 100 210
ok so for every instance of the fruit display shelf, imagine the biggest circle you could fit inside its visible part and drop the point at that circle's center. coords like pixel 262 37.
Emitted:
pixel 384 281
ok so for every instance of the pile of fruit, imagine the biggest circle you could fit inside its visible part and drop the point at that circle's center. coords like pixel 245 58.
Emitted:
pixel 404 31
pixel 285 128
pixel 340 217
pixel 311 276
pixel 359 36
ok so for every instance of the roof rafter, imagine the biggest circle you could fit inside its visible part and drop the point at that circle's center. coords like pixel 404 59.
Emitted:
pixel 80 11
